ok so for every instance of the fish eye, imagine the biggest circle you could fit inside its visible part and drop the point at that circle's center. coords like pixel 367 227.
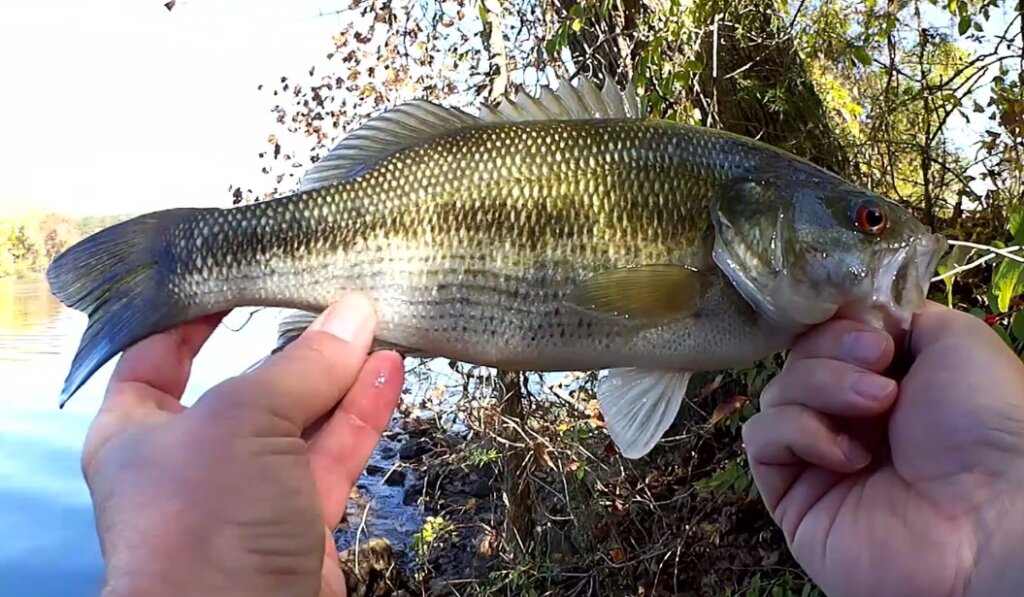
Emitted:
pixel 871 219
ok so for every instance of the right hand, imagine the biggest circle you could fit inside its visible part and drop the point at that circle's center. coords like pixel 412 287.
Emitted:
pixel 915 489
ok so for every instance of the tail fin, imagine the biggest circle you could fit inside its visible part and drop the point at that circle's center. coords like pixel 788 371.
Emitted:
pixel 117 278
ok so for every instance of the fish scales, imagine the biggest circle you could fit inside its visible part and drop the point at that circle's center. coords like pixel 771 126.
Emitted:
pixel 565 233
pixel 469 244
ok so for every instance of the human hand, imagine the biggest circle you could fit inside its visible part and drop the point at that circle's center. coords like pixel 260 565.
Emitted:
pixel 939 509
pixel 237 494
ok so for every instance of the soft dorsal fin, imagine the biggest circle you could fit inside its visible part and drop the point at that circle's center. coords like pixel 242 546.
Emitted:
pixel 569 102
pixel 383 135
pixel 414 122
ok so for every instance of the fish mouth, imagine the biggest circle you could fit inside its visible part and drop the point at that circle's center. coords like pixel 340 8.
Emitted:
pixel 900 286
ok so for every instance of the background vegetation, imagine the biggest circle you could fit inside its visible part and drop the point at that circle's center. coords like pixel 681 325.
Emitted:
pixel 920 101
pixel 31 237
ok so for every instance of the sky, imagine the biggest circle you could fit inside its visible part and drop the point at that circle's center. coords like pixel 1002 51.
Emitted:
pixel 115 106
pixel 120 106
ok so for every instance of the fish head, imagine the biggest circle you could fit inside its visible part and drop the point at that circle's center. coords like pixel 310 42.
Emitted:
pixel 804 251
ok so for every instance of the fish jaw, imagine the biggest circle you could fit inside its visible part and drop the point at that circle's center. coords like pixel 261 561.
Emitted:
pixel 887 300
pixel 900 286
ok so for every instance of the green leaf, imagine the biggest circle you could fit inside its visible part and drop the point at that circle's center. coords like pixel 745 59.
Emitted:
pixel 964 25
pixel 1007 283
pixel 1017 223
pixel 861 54
pixel 694 66
pixel 1001 332
pixel 1017 326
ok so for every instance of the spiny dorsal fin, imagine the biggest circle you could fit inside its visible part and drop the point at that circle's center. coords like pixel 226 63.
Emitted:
pixel 569 102
pixel 383 135
pixel 414 122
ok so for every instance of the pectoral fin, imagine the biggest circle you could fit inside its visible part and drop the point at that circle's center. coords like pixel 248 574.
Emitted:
pixel 639 405
pixel 659 291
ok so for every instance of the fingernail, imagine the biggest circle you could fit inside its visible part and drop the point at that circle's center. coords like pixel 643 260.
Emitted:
pixel 348 319
pixel 870 386
pixel 864 347
pixel 854 453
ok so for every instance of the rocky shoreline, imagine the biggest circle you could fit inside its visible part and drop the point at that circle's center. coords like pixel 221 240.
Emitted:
pixel 416 521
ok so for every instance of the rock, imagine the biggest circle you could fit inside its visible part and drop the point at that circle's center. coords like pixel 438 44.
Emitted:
pixel 387 451
pixel 439 587
pixel 413 493
pixel 414 449
pixel 374 470
pixel 395 478
pixel 480 488
pixel 377 574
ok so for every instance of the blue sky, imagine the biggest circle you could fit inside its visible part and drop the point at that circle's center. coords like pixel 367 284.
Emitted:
pixel 119 105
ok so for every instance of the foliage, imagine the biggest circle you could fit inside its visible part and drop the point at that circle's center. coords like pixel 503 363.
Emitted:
pixel 435 530
pixel 31 237
pixel 921 102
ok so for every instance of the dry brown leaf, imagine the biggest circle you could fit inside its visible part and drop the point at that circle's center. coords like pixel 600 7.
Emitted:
pixel 727 408
pixel 541 451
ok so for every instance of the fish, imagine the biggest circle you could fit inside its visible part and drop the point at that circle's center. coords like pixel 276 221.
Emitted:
pixel 565 230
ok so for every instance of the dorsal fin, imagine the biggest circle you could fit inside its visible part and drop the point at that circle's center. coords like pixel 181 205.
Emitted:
pixel 569 102
pixel 414 122
pixel 383 135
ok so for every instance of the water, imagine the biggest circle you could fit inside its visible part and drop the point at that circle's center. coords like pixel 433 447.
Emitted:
pixel 47 539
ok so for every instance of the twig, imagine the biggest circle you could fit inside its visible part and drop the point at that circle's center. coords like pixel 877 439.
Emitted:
pixel 973 264
pixel 1007 253
pixel 359 532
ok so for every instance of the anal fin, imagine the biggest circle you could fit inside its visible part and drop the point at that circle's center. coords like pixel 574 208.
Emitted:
pixel 296 322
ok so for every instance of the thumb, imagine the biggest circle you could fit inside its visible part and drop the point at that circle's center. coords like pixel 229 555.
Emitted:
pixel 307 379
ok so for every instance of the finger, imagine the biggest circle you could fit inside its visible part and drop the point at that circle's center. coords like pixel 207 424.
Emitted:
pixel 937 323
pixel 308 378
pixel 783 441
pixel 832 387
pixel 153 373
pixel 339 451
pixel 846 340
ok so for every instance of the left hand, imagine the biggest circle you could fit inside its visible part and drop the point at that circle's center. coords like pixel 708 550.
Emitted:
pixel 238 494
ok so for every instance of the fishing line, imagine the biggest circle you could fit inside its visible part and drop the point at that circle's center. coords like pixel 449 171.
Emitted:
pixel 244 323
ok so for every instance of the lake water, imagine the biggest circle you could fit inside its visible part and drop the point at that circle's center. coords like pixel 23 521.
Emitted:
pixel 47 539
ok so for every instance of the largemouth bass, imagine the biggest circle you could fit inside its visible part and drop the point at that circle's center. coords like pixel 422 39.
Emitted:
pixel 568 231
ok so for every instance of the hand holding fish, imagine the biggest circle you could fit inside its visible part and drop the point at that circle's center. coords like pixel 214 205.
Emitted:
pixel 220 498
pixel 908 489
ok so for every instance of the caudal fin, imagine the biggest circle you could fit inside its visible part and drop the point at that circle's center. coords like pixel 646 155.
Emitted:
pixel 118 277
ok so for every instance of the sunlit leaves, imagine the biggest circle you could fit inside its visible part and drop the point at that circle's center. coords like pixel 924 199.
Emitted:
pixel 1016 223
pixel 861 54
pixel 1007 283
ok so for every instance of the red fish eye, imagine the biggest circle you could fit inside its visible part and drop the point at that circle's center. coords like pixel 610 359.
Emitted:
pixel 871 219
